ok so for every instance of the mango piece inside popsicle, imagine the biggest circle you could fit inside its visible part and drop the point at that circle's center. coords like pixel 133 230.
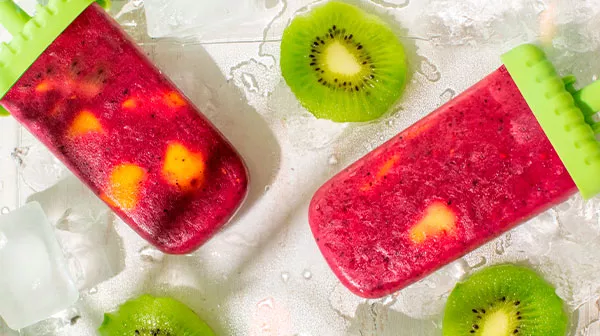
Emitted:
pixel 85 122
pixel 124 186
pixel 173 99
pixel 382 172
pixel 438 220
pixel 129 104
pixel 43 86
pixel 183 167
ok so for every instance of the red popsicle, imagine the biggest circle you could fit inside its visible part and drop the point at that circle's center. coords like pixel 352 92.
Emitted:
pixel 456 179
pixel 97 102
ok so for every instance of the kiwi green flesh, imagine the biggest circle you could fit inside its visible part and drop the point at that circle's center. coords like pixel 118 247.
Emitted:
pixel 342 63
pixel 504 300
pixel 152 316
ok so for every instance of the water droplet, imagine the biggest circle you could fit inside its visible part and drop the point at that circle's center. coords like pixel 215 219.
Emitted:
pixel 249 82
pixel 479 263
pixel 429 70
pixel 266 303
pixel 267 188
pixel 500 247
pixel 390 122
pixel 18 155
pixel 333 160
pixel 4 210
pixel 381 138
pixel 507 239
pixel 150 254
pixel 447 96
pixel 307 274
pixel 398 112
pixel 93 291
pixel 285 276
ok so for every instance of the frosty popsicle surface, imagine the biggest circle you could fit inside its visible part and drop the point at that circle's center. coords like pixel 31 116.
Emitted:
pixel 466 173
pixel 96 101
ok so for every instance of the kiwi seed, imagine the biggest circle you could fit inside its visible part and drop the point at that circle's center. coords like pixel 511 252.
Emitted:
pixel 504 300
pixel 342 63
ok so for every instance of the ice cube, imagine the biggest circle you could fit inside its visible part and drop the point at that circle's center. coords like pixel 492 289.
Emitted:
pixel 35 282
pixel 210 20
pixel 426 298
pixel 84 227
pixel 54 326
pixel 473 22
pixel 38 167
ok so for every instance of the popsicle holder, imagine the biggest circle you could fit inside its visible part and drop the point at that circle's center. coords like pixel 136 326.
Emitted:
pixel 32 35
pixel 565 114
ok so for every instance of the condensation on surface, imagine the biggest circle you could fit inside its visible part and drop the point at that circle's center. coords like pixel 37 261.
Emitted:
pixel 263 274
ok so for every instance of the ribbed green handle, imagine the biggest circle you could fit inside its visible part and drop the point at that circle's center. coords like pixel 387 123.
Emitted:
pixel 12 17
pixel 31 36
pixel 564 114
pixel 588 100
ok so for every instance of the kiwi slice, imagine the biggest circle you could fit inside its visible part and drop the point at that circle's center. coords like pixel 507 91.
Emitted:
pixel 504 300
pixel 152 316
pixel 342 63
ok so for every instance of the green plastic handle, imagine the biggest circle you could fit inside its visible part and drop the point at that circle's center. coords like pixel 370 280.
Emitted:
pixel 564 114
pixel 13 18
pixel 31 36
pixel 588 100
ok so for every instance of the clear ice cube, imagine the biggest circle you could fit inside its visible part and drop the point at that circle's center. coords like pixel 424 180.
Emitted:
pixel 35 282
pixel 84 227
pixel 476 22
pixel 210 20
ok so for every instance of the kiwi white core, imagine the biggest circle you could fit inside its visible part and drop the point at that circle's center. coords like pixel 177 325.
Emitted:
pixel 497 323
pixel 340 60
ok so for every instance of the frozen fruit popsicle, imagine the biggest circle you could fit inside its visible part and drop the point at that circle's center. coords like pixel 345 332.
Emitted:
pixel 76 81
pixel 506 149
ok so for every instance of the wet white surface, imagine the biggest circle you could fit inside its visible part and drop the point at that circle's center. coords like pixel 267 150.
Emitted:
pixel 263 274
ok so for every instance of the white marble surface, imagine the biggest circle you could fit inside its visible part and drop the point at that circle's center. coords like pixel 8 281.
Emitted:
pixel 263 275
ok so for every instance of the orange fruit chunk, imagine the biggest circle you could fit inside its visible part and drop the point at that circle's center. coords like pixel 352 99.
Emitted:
pixel 173 99
pixel 438 220
pixel 130 103
pixel 383 171
pixel 183 167
pixel 124 186
pixel 414 131
pixel 85 122
pixel 44 86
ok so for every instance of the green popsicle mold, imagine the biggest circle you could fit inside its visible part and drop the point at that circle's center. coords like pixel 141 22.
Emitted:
pixel 564 113
pixel 32 35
